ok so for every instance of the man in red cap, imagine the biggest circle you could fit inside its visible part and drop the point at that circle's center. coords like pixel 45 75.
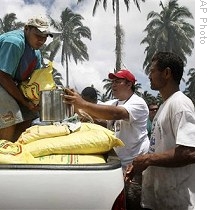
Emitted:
pixel 126 115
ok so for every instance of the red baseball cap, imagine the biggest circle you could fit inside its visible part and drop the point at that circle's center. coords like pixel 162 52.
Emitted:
pixel 123 74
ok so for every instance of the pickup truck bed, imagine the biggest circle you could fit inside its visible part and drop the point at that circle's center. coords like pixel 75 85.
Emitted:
pixel 58 187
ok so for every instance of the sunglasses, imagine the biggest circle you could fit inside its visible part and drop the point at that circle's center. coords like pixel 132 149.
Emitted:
pixel 117 81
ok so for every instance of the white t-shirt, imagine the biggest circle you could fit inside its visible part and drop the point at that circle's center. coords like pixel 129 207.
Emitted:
pixel 171 188
pixel 133 132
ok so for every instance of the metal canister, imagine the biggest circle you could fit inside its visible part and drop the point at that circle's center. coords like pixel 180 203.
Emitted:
pixel 52 108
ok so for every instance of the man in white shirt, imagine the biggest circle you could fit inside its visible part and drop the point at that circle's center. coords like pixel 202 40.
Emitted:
pixel 126 115
pixel 169 167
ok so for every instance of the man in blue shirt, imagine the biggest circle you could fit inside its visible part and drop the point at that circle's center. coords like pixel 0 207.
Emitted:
pixel 19 57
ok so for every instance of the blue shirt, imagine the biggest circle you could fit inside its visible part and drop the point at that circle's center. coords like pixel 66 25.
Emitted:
pixel 17 58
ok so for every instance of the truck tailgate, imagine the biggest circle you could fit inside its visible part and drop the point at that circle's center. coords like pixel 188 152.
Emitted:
pixel 60 187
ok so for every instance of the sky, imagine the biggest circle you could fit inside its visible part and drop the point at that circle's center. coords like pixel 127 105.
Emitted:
pixel 101 47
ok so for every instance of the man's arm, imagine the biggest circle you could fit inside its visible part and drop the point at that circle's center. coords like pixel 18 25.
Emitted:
pixel 97 111
pixel 176 157
pixel 9 85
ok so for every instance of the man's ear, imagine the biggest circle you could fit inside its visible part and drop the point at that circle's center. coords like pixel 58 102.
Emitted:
pixel 167 72
pixel 26 28
pixel 130 83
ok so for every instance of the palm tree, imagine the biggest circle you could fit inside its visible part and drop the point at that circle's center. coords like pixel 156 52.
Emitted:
pixel 108 88
pixel 104 98
pixel 138 89
pixel 169 31
pixel 118 29
pixel 72 30
pixel 148 97
pixel 50 51
pixel 118 33
pixel 9 23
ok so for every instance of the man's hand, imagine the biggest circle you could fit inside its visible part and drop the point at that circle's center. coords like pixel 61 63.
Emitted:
pixel 73 97
pixel 129 173
pixel 139 164
pixel 31 106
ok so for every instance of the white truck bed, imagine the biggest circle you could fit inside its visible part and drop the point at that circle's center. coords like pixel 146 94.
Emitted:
pixel 59 187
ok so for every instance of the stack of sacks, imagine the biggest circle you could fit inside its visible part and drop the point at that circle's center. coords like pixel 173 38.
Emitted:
pixel 70 159
pixel 50 144
pixel 37 132
pixel 14 153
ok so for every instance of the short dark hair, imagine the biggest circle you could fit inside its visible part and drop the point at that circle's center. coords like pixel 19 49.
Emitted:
pixel 172 61
pixel 89 94
pixel 133 87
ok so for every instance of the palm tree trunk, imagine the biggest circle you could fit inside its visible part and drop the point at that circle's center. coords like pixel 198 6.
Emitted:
pixel 67 72
pixel 118 49
pixel 170 46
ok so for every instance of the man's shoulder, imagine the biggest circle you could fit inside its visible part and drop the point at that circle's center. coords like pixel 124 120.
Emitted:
pixel 180 98
pixel 179 102
pixel 14 37
pixel 138 98
pixel 110 102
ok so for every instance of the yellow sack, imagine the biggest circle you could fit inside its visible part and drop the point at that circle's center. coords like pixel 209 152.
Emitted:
pixel 41 79
pixel 14 153
pixel 37 132
pixel 80 142
pixel 85 126
pixel 70 159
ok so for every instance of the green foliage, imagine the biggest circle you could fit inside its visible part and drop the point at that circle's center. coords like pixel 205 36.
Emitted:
pixel 72 31
pixel 9 23
pixel 114 4
pixel 169 31
pixel 150 99
pixel 190 89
